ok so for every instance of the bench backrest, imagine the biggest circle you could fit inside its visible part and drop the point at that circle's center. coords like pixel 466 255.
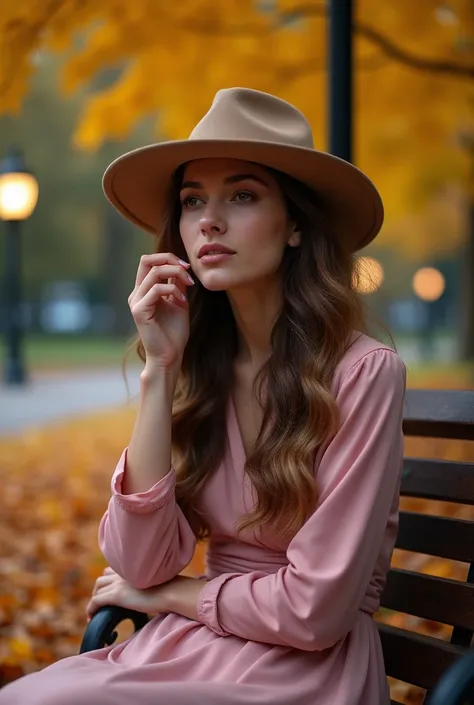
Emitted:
pixel 415 658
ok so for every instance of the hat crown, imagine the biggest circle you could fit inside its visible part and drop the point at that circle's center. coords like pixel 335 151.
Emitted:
pixel 246 114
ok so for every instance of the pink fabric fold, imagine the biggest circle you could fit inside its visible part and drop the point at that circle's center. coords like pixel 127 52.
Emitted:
pixel 154 498
pixel 207 605
pixel 145 537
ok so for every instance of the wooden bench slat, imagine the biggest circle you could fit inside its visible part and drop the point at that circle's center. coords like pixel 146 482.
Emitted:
pixel 439 413
pixel 410 657
pixel 429 597
pixel 415 658
pixel 436 536
pixel 443 480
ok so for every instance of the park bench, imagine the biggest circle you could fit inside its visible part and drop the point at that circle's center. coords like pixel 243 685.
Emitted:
pixel 445 669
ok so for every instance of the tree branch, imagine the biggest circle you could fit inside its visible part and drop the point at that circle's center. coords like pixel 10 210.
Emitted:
pixel 415 62
pixel 389 48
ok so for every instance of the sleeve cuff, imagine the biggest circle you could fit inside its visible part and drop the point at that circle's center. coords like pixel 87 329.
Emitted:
pixel 157 496
pixel 207 604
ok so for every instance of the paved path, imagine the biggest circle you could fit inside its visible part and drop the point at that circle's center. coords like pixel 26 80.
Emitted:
pixel 52 397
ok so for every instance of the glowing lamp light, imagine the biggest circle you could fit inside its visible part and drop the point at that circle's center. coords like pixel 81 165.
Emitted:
pixel 429 284
pixel 369 275
pixel 18 189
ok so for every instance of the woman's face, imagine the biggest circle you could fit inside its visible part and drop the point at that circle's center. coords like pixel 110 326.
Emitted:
pixel 237 205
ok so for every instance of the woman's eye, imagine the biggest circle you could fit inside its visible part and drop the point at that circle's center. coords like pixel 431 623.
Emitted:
pixel 244 196
pixel 190 201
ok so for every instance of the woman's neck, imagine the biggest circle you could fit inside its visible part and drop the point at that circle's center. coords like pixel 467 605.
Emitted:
pixel 255 312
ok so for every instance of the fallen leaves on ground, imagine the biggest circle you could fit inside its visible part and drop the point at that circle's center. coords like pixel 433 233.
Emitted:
pixel 55 488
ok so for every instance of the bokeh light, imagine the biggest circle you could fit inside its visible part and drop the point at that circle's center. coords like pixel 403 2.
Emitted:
pixel 368 276
pixel 429 284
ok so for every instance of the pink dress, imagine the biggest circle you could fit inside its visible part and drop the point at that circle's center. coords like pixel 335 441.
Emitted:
pixel 279 622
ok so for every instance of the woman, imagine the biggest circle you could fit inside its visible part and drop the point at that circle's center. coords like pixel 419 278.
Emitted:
pixel 268 422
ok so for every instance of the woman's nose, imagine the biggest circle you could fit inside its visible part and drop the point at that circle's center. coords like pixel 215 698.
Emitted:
pixel 211 223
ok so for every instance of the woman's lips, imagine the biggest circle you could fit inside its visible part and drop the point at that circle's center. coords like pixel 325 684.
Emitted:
pixel 216 258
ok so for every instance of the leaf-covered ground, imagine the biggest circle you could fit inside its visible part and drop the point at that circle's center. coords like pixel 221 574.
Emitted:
pixel 55 487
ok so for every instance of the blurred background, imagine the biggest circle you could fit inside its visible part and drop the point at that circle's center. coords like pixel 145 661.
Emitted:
pixel 83 82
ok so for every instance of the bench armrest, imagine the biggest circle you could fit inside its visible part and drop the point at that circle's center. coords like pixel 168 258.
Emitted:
pixel 101 632
pixel 456 685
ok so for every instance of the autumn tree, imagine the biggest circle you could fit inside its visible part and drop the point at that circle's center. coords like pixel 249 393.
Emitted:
pixel 414 71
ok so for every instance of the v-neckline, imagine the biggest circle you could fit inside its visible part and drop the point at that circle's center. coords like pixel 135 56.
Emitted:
pixel 238 432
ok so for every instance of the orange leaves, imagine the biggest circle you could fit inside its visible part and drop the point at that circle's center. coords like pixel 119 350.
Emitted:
pixel 20 649
pixel 56 485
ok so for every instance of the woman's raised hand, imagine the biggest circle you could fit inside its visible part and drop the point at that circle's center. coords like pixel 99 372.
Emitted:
pixel 159 307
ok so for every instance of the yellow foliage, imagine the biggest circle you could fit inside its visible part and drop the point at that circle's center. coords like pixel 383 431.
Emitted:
pixel 409 119
pixel 20 648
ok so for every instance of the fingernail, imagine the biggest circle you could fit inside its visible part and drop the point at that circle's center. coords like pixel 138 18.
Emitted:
pixel 191 279
pixel 185 264
pixel 183 296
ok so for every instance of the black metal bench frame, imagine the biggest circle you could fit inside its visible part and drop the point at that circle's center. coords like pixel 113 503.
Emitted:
pixel 444 669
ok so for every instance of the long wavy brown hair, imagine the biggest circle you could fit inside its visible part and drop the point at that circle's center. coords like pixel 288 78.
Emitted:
pixel 320 312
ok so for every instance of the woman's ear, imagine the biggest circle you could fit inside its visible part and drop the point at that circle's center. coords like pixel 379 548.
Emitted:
pixel 295 236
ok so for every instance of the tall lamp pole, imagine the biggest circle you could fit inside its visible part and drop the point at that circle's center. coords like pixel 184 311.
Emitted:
pixel 18 197
pixel 340 78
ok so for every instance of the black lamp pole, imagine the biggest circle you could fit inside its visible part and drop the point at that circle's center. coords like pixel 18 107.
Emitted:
pixel 340 78
pixel 14 363
pixel 18 193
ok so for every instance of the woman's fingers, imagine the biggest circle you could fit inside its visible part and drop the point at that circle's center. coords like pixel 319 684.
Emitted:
pixel 144 310
pixel 106 579
pixel 106 591
pixel 102 598
pixel 160 275
pixel 101 583
pixel 153 260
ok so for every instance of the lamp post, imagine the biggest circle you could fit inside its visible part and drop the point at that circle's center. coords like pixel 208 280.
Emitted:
pixel 18 197
pixel 340 78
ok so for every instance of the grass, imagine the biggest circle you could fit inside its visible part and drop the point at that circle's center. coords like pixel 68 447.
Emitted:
pixel 46 353
pixel 50 353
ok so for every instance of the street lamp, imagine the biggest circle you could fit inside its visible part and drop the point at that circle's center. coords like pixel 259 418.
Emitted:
pixel 18 197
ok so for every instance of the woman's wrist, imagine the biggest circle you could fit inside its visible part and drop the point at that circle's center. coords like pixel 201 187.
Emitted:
pixel 154 373
pixel 181 596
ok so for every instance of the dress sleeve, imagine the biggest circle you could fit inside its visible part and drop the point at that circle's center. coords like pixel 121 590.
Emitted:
pixel 145 537
pixel 313 602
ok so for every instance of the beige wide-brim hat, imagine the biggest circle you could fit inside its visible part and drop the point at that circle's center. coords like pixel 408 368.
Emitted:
pixel 252 126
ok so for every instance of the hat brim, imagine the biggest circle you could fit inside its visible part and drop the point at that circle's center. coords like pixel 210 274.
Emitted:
pixel 138 183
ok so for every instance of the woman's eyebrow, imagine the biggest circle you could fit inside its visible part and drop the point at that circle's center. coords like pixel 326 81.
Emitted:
pixel 245 177
pixel 235 178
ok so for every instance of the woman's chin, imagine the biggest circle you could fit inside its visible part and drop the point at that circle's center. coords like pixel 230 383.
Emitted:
pixel 216 281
